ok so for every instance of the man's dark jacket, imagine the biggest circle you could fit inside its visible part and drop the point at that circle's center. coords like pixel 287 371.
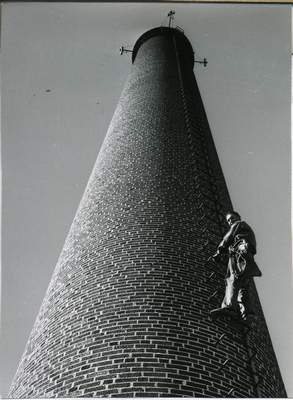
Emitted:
pixel 240 230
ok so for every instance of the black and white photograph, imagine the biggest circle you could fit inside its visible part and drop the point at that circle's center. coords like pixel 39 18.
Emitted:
pixel 146 200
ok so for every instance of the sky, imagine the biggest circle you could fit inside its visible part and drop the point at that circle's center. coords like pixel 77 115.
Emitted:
pixel 61 78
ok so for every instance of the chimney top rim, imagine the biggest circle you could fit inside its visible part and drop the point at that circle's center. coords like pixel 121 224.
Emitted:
pixel 160 31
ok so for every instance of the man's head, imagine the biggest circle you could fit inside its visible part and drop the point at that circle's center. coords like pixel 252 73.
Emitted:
pixel 232 217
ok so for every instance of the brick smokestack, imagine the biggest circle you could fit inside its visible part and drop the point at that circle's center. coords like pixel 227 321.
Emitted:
pixel 127 311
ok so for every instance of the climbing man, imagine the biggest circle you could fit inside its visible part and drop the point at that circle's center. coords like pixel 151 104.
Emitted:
pixel 240 244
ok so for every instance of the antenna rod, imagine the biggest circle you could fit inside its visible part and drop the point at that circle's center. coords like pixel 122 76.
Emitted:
pixel 171 16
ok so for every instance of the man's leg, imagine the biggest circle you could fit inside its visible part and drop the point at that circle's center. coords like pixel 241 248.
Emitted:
pixel 233 285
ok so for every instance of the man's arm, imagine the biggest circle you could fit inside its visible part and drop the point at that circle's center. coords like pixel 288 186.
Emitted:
pixel 226 242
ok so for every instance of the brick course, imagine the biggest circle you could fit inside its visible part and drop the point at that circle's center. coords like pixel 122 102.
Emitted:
pixel 127 311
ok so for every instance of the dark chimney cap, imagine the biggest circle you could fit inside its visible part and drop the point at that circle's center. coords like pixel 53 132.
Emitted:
pixel 163 31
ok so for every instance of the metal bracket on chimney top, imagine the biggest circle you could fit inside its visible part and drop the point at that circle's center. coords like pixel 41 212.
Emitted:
pixel 204 62
pixel 123 50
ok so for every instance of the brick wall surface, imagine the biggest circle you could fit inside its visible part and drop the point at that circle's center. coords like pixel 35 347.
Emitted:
pixel 127 311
